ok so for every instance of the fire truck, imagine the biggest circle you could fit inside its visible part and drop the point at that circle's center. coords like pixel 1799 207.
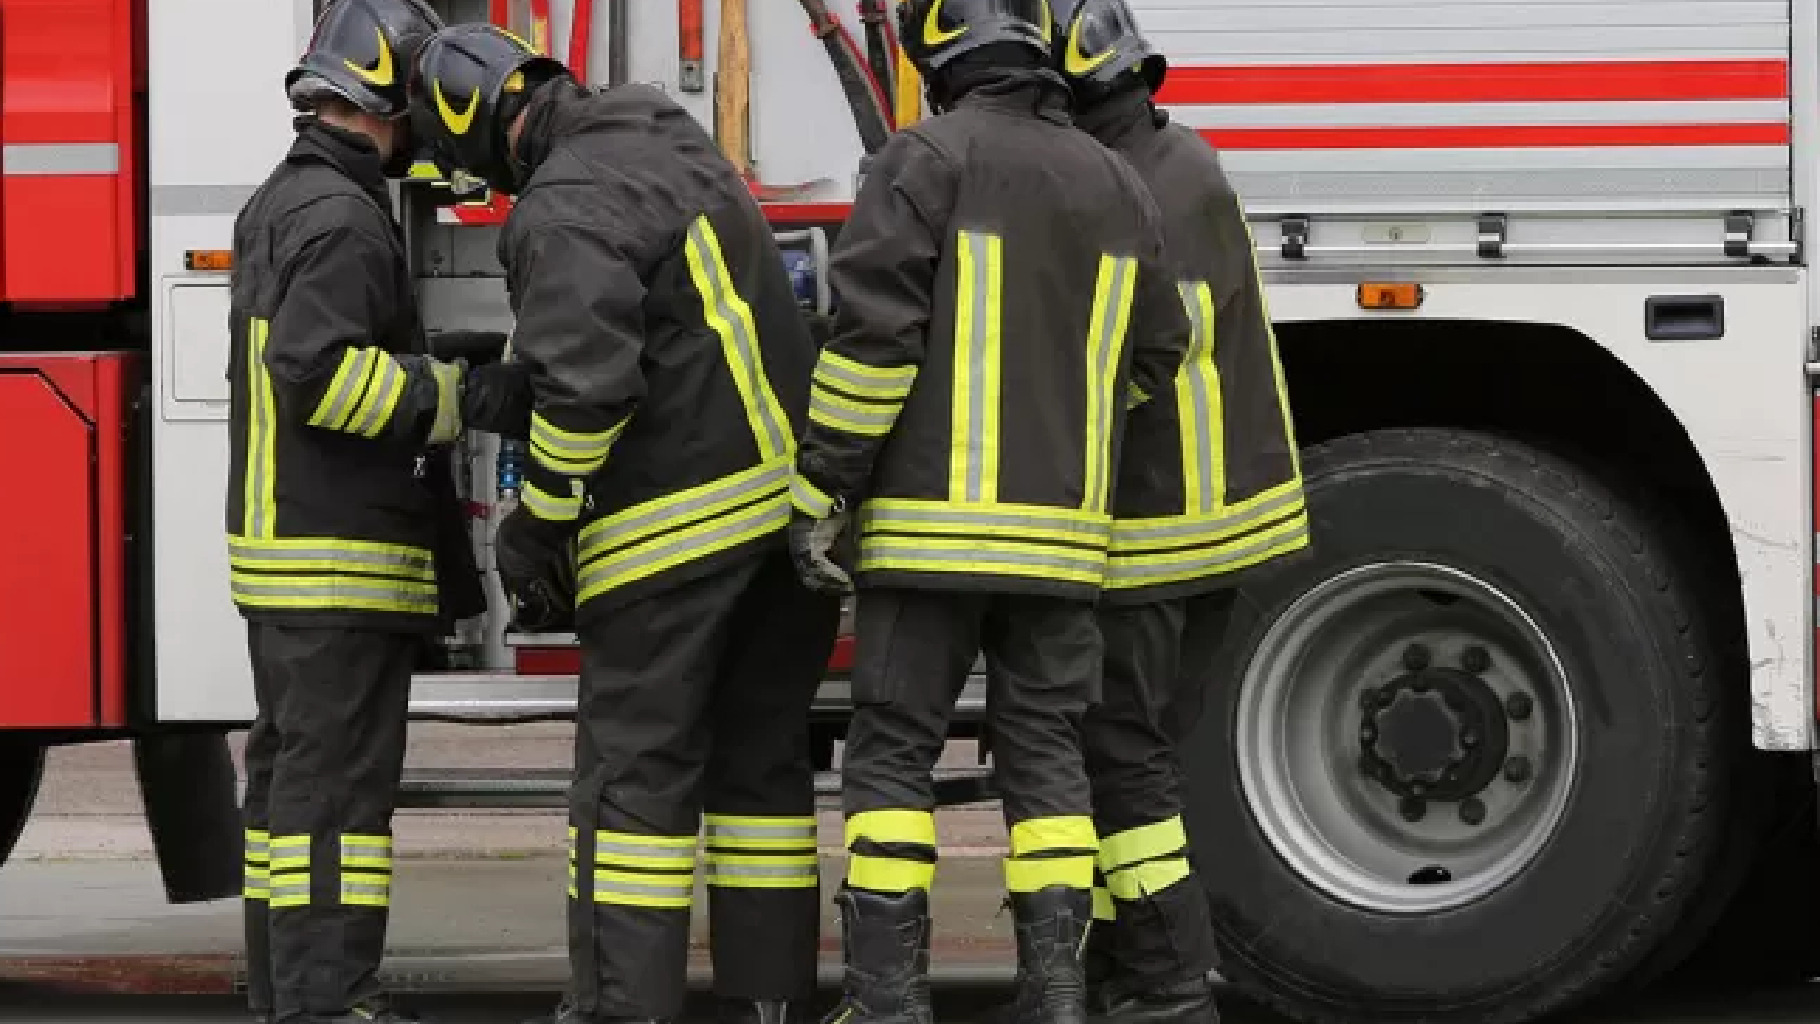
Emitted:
pixel 1531 723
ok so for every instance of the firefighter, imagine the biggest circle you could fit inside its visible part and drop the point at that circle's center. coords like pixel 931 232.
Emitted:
pixel 1208 485
pixel 670 372
pixel 345 541
pixel 1001 296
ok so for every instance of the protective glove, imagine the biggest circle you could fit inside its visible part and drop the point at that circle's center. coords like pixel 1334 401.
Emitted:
pixel 536 562
pixel 476 348
pixel 497 398
pixel 813 549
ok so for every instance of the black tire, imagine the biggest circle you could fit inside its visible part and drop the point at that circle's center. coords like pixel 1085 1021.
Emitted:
pixel 21 770
pixel 1650 794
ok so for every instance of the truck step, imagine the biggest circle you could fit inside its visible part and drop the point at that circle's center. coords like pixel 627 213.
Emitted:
pixel 459 789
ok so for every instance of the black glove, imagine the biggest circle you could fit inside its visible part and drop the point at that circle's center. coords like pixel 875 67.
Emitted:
pixel 536 562
pixel 497 398
pixel 476 348
pixel 815 550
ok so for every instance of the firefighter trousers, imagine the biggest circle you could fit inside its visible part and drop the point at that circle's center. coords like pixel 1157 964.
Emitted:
pixel 693 718
pixel 914 650
pixel 1154 927
pixel 323 761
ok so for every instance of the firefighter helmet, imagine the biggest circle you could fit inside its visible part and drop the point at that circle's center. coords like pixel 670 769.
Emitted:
pixel 471 81
pixel 362 51
pixel 1097 41
pixel 935 32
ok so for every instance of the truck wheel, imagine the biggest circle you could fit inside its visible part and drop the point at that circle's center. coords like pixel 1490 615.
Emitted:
pixel 21 769
pixel 1462 763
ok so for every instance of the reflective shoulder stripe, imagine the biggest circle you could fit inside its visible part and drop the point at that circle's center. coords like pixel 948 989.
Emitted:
pixel 1197 394
pixel 974 440
pixel 572 452
pixel 731 318
pixel 1112 295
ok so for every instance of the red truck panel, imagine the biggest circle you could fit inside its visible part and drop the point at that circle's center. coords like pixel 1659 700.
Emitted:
pixel 63 540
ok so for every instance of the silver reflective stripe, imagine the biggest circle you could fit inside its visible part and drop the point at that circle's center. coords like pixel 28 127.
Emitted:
pixel 891 382
pixel 806 496
pixel 985 560
pixel 340 405
pixel 1200 397
pixel 1203 560
pixel 1088 529
pixel 865 420
pixel 365 851
pixel 1106 345
pixel 35 159
pixel 681 854
pixel 421 564
pixel 387 381
pixel 748 366
pixel 977 328
pixel 298 889
pixel 1126 536
pixel 257 849
pixel 749 831
pixel 577 454
pixel 709 536
pixel 260 449
pixel 748 869
pixel 638 521
pixel 365 888
pixel 346 587
pixel 618 887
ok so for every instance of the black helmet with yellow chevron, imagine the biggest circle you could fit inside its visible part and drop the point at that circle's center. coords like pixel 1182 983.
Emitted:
pixel 935 32
pixel 471 81
pixel 1097 43
pixel 362 51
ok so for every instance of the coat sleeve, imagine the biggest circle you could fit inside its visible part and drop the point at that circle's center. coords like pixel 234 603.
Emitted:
pixel 323 356
pixel 579 303
pixel 883 274
pixel 1160 329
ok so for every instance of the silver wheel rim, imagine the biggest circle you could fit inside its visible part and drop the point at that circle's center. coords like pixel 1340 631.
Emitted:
pixel 1307 747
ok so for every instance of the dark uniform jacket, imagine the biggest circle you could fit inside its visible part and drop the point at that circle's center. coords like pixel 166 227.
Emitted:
pixel 1209 482
pixel 1000 289
pixel 670 366
pixel 336 509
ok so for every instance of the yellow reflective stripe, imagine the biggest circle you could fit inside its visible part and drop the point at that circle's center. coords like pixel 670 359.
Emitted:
pixel 552 507
pixel 680 528
pixel 572 452
pixel 366 851
pixel 289 873
pixel 1034 874
pixel 809 499
pixel 366 889
pixel 374 413
pixel 1103 907
pixel 971 556
pixel 1198 407
pixel 838 412
pixel 329 590
pixel 1135 397
pixel 1036 523
pixel 725 831
pixel 258 844
pixel 879 383
pixel 974 440
pixel 747 871
pixel 636 889
pixel 260 497
pixel 331 555
pixel 629 850
pixel 893 826
pixel 729 316
pixel 1043 835
pixel 445 426
pixel 350 379
pixel 257 876
pixel 1146 842
pixel 1146 879
pixel 889 874
pixel 1131 569
pixel 1112 295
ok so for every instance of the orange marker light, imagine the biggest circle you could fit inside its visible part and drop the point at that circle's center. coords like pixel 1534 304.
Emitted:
pixel 1390 295
pixel 208 259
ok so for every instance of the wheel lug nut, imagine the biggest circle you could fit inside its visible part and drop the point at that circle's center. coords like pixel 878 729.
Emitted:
pixel 1518 769
pixel 1472 810
pixel 1415 657
pixel 1413 808
pixel 1368 734
pixel 1475 660
pixel 1519 706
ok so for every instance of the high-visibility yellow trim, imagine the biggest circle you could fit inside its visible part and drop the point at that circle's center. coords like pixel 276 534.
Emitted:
pixel 1103 907
pixel 552 507
pixel 307 555
pixel 731 318
pixel 809 499
pixel 373 414
pixel 289 872
pixel 838 411
pixel 366 889
pixel 572 452
pixel 878 383
pixel 1112 295
pixel 366 851
pixel 1034 874
pixel 332 591
pixel 892 826
pixel 638 889
pixel 1150 568
pixel 445 425
pixel 750 871
pixel 256 879
pixel 915 517
pixel 736 832
pixel 1146 879
pixel 344 389
pixel 630 850
pixel 260 513
pixel 1199 406
pixel 974 439
pixel 1043 835
pixel 1146 842
pixel 1017 559
pixel 889 874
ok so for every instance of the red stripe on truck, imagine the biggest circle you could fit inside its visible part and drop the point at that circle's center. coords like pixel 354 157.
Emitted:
pixel 1555 81
pixel 1499 136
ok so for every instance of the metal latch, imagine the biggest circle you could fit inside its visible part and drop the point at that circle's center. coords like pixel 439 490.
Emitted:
pixel 1494 231
pixel 1295 236
pixel 1739 225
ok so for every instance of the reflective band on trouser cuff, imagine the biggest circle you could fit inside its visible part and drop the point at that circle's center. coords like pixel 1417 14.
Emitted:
pixel 366 870
pixel 260 483
pixel 1103 907
pixel 889 874
pixel 1111 318
pixel 762 870
pixel 552 507
pixel 1051 851
pixel 974 441
pixel 258 865
pixel 638 870
pixel 760 852
pixel 363 394
pixel 572 452
pixel 751 832
pixel 680 528
pixel 290 873
pixel 1156 566
pixel 1146 842
pixel 895 828
pixel 1198 401
pixel 809 499
pixel 1146 879
pixel 730 317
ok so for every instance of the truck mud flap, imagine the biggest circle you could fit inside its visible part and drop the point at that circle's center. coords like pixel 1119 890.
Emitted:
pixel 191 804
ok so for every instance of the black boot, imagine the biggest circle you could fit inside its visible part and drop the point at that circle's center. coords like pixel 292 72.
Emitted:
pixel 885 942
pixel 758 1011
pixel 1052 929
pixel 566 1013
pixel 1184 1002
